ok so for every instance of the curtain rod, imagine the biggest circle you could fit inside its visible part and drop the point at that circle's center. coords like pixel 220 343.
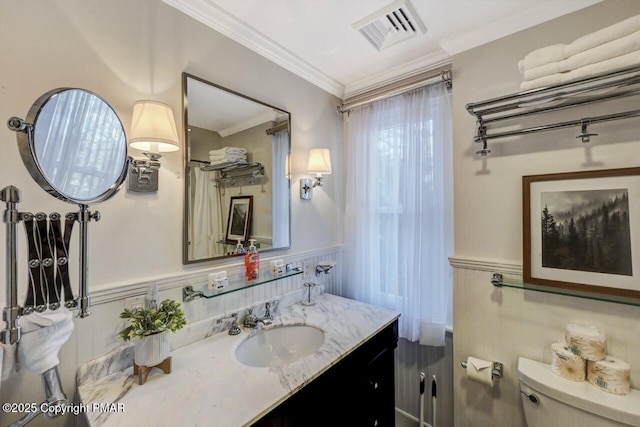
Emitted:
pixel 278 127
pixel 436 76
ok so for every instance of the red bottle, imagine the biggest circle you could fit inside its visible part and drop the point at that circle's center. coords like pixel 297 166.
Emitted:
pixel 252 262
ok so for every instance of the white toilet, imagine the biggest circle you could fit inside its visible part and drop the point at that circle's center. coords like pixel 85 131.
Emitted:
pixel 550 401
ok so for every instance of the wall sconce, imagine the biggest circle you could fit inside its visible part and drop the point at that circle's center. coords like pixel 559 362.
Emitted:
pixel 153 130
pixel 319 163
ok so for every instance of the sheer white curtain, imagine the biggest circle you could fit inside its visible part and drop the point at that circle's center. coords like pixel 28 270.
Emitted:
pixel 280 185
pixel 79 150
pixel 207 218
pixel 399 225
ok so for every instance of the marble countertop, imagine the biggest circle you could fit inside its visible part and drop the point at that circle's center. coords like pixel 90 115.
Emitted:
pixel 208 386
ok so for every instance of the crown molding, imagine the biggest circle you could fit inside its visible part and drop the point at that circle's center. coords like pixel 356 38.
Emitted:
pixel 406 70
pixel 212 15
pixel 220 20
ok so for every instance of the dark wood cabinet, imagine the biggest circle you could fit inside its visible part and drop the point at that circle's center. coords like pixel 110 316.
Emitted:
pixel 357 391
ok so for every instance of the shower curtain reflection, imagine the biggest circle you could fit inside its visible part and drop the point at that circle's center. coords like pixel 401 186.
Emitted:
pixel 280 182
pixel 206 228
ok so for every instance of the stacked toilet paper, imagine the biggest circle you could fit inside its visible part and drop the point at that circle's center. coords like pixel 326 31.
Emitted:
pixel 566 364
pixel 583 356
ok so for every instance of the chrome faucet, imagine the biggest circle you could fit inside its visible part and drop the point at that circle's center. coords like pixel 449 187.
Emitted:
pixel 234 329
pixel 324 267
pixel 250 320
pixel 268 306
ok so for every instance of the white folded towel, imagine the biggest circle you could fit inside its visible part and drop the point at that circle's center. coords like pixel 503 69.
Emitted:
pixel 544 55
pixel 222 161
pixel 8 358
pixel 544 70
pixel 612 49
pixel 228 150
pixel 607 34
pixel 612 64
pixel 560 52
pixel 230 157
pixel 43 334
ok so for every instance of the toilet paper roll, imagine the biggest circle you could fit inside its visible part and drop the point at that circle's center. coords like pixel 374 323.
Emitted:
pixel 566 364
pixel 612 375
pixel 480 371
pixel 586 342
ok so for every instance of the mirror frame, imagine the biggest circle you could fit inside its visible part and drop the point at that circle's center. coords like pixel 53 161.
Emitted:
pixel 187 154
pixel 26 148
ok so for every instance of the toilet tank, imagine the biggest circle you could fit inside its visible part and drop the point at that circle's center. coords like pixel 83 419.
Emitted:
pixel 566 403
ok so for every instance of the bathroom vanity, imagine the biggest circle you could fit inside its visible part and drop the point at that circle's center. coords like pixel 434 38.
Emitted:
pixel 348 380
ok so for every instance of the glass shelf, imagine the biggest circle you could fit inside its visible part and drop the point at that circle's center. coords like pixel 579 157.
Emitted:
pixel 237 283
pixel 515 282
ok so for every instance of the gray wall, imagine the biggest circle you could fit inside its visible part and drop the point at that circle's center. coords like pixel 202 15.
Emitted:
pixel 503 324
pixel 126 51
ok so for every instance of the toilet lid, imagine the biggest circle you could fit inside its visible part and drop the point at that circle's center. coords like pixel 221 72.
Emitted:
pixel 582 395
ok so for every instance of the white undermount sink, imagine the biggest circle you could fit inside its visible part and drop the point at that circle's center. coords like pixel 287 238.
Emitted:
pixel 279 345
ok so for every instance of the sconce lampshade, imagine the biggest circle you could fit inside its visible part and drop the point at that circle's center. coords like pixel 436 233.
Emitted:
pixel 319 161
pixel 153 128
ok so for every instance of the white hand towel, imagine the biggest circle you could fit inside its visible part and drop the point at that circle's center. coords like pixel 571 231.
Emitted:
pixel 605 51
pixel 560 52
pixel 43 334
pixel 228 150
pixel 229 157
pixel 622 61
pixel 222 161
pixel 607 34
pixel 610 50
pixel 545 81
pixel 8 358
pixel 544 55
pixel 544 70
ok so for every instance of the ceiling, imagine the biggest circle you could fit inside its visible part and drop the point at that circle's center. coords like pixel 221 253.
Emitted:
pixel 315 38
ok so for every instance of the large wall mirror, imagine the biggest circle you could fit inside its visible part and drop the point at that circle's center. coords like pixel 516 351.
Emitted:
pixel 237 184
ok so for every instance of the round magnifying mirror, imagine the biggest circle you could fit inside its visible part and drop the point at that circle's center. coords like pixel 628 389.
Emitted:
pixel 73 144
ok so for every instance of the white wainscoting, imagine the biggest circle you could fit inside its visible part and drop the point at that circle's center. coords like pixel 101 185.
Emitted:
pixel 96 335
pixel 503 324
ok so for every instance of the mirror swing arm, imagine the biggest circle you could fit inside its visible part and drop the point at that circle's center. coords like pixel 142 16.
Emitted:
pixel 79 157
pixel 11 196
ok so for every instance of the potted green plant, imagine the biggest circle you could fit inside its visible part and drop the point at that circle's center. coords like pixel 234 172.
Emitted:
pixel 151 326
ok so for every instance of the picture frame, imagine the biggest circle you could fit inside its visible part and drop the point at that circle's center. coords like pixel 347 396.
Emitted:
pixel 581 231
pixel 239 220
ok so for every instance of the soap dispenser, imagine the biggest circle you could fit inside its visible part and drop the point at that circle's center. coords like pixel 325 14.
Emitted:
pixel 252 261
pixel 240 247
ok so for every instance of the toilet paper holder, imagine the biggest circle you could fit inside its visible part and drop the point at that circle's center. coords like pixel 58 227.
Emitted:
pixel 496 369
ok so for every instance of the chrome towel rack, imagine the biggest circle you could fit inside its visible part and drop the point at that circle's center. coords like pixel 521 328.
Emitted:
pixel 616 84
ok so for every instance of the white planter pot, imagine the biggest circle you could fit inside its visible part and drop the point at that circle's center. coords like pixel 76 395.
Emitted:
pixel 152 349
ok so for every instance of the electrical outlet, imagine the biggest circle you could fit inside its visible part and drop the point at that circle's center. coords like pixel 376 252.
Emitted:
pixel 218 281
pixel 307 267
pixel 134 302
pixel 277 266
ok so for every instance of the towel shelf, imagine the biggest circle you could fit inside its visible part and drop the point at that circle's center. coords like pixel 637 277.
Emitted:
pixel 621 83
pixel 226 167
pixel 231 174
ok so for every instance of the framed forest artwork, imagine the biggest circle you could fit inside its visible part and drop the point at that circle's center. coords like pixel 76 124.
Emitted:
pixel 582 231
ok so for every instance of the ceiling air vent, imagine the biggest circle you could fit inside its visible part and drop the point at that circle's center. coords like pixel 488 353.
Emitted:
pixel 390 25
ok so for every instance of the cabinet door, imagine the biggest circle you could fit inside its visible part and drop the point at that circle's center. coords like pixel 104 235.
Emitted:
pixel 379 391
pixel 358 391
